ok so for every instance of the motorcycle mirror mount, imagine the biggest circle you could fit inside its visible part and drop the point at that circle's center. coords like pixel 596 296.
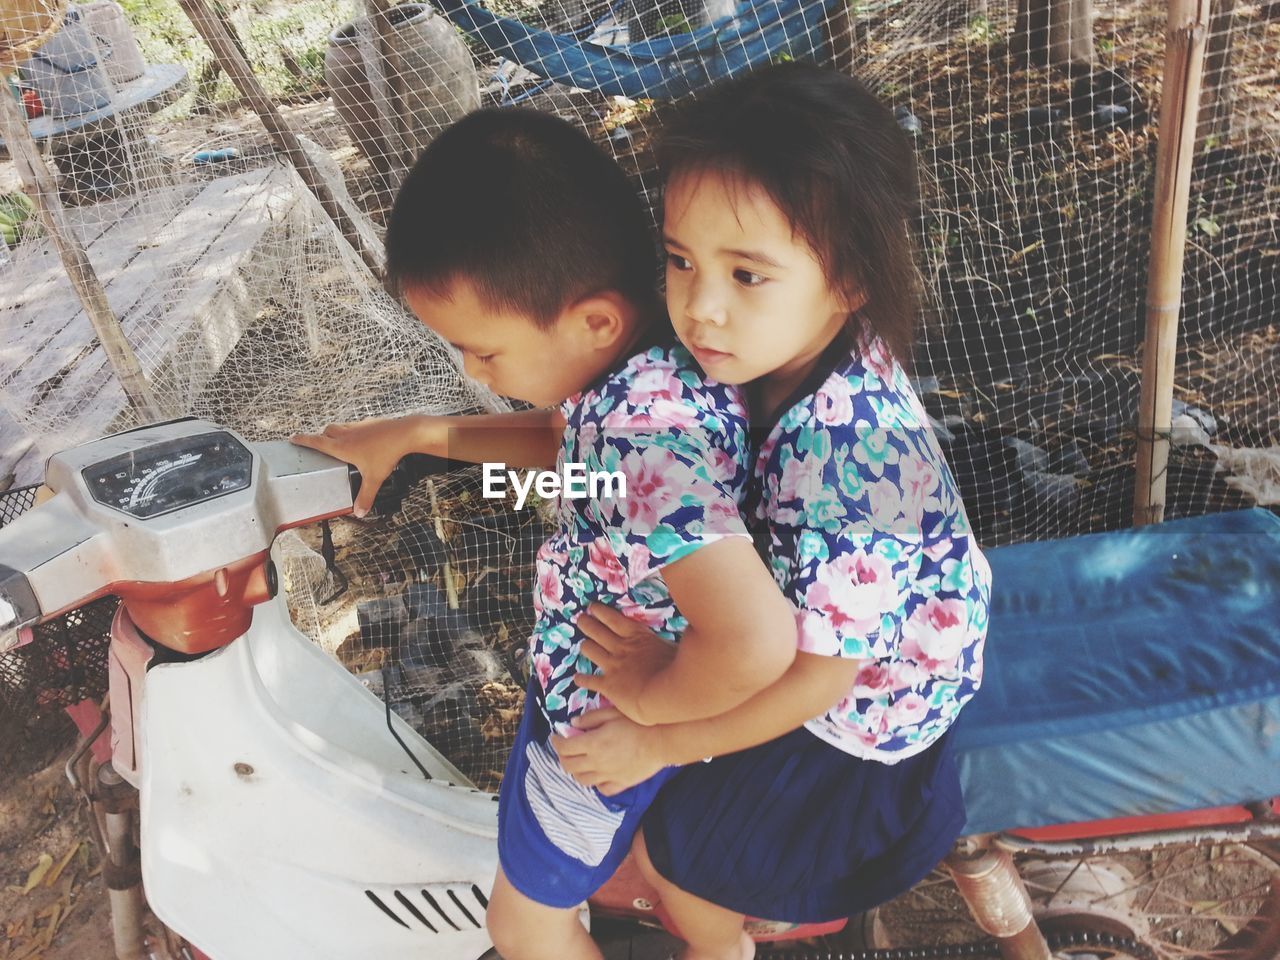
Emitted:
pixel 18 609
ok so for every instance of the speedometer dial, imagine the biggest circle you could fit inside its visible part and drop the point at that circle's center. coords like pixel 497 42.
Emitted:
pixel 172 475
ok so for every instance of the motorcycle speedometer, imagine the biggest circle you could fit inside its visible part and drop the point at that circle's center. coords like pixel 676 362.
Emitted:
pixel 171 475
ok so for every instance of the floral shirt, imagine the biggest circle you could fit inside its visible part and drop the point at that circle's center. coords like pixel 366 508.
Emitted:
pixel 867 536
pixel 682 445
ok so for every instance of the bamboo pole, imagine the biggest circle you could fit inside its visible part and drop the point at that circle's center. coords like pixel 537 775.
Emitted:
pixel 218 35
pixel 44 187
pixel 1180 99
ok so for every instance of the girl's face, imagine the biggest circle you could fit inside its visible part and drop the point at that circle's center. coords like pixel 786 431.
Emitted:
pixel 746 295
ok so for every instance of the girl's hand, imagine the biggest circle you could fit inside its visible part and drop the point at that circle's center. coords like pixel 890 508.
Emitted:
pixel 630 654
pixel 373 447
pixel 612 753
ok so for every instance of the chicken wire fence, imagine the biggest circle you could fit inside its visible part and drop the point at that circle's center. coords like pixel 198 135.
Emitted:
pixel 1035 125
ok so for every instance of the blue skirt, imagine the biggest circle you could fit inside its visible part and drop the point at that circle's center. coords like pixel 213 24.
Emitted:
pixel 797 830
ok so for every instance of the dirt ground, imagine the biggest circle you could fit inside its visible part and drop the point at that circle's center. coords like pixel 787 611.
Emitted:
pixel 53 905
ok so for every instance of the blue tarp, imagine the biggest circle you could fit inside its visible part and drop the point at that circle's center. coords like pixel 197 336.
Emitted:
pixel 1128 673
pixel 661 67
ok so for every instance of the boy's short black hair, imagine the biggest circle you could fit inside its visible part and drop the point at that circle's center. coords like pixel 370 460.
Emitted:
pixel 833 159
pixel 523 206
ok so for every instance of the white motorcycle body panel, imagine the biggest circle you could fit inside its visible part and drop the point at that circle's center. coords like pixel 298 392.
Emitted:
pixel 281 820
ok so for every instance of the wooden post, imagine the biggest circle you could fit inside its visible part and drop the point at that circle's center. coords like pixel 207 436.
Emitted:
pixel 44 186
pixel 218 35
pixel 1180 98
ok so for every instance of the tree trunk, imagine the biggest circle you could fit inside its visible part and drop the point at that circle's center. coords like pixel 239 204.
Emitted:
pixel 1055 33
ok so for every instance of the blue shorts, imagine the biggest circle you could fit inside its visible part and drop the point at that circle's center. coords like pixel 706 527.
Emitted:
pixel 558 842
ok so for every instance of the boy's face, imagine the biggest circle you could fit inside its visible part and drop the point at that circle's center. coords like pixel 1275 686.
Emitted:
pixel 746 295
pixel 505 351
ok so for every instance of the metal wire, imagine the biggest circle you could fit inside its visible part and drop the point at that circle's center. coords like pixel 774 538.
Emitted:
pixel 64 664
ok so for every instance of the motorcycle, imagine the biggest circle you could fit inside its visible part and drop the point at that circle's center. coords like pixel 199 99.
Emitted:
pixel 257 800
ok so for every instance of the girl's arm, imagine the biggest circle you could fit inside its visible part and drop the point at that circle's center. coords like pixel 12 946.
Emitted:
pixel 530 438
pixel 812 686
pixel 612 753
pixel 741 638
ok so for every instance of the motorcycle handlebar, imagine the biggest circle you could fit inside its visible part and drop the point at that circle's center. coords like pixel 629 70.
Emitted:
pixel 46 551
pixel 81 542
pixel 407 474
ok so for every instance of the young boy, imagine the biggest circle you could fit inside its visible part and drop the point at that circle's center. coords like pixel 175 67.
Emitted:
pixel 524 246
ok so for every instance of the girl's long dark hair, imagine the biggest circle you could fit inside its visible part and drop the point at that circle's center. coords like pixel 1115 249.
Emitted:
pixel 834 160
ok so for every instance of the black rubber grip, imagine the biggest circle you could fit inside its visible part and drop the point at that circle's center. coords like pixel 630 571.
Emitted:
pixel 403 478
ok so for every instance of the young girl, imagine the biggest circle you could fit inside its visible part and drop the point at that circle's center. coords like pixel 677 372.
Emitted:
pixel 789 270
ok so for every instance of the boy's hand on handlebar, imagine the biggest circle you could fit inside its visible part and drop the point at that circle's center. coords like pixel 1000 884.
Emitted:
pixel 373 447
pixel 611 753
pixel 630 655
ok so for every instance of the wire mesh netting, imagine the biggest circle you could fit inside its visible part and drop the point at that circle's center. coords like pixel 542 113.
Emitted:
pixel 430 607
pixel 1036 128
pixel 64 663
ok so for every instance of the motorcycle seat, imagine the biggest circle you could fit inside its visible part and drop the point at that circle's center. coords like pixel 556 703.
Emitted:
pixel 1128 673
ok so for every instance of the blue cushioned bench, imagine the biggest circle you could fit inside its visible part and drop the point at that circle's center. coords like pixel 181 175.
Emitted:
pixel 1128 673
